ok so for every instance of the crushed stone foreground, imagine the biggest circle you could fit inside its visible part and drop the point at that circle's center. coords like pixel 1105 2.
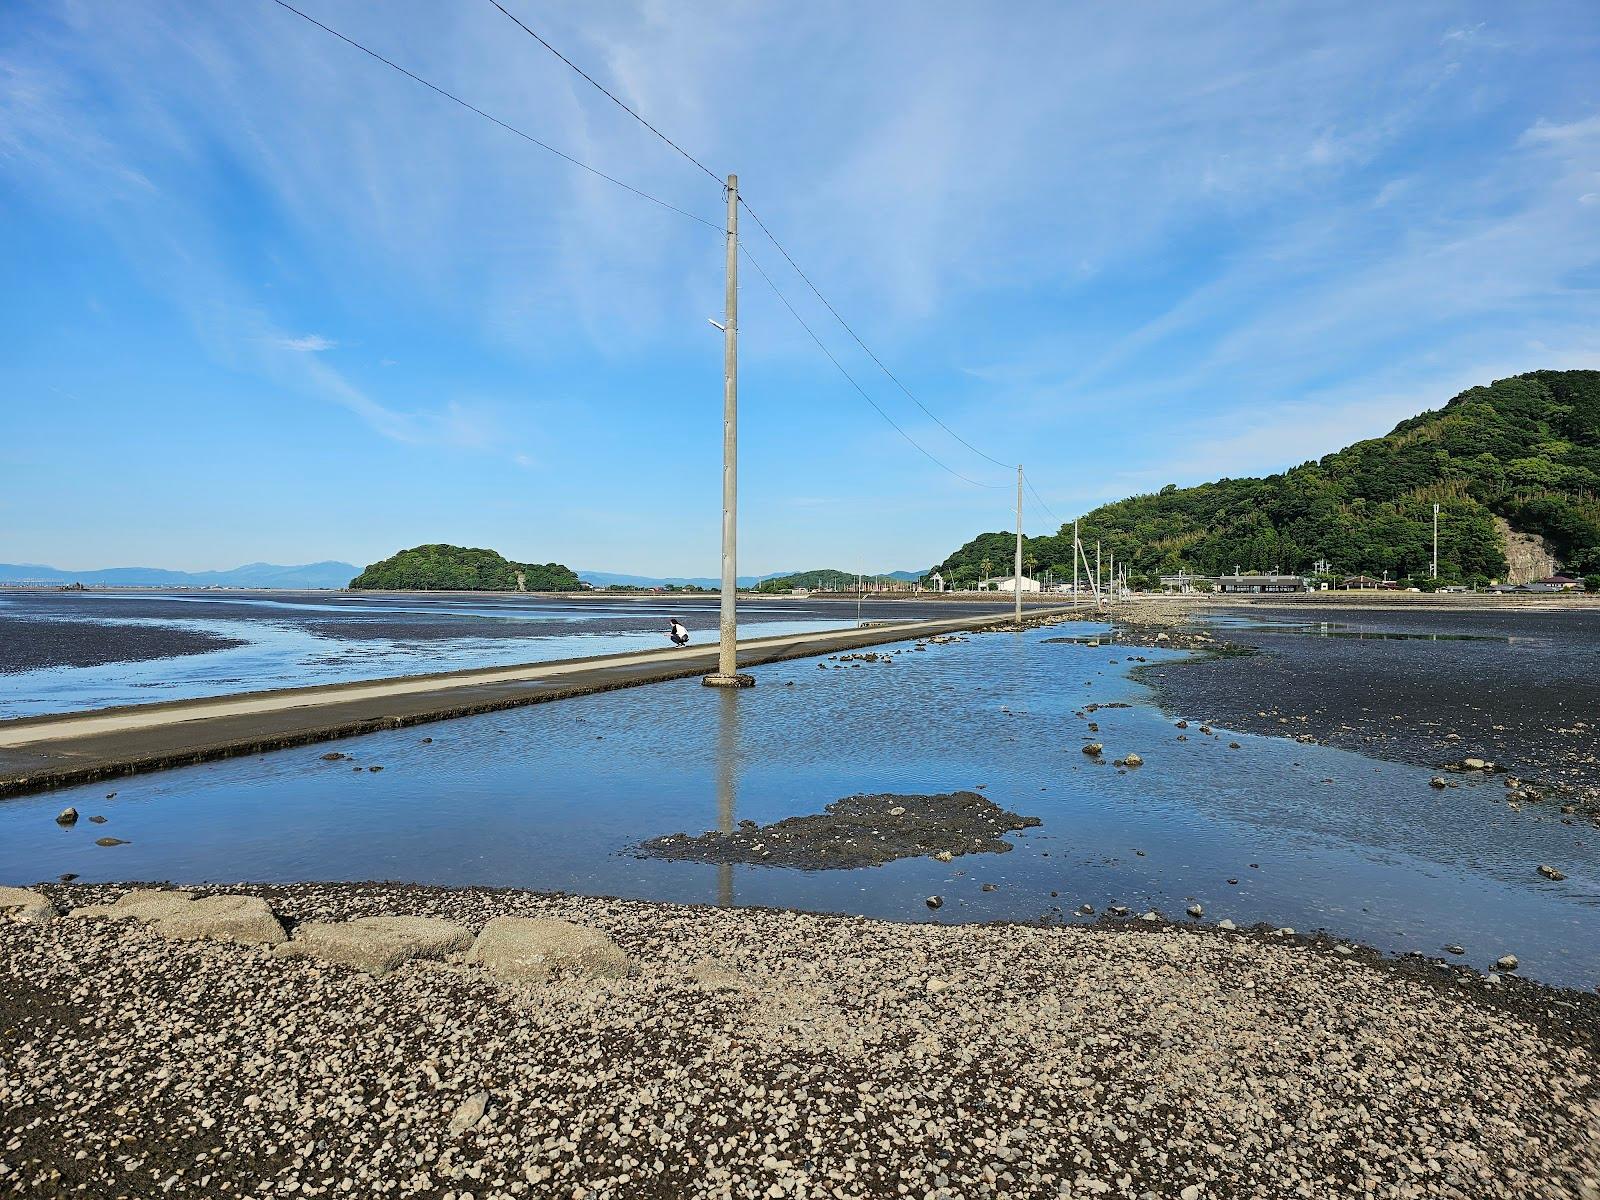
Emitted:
pixel 667 1051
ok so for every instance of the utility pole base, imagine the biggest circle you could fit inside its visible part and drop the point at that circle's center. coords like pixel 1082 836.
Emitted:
pixel 736 680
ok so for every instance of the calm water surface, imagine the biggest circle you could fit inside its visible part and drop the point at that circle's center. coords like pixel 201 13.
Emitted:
pixel 554 796
pixel 130 647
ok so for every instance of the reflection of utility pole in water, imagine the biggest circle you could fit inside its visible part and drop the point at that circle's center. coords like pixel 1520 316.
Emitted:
pixel 727 782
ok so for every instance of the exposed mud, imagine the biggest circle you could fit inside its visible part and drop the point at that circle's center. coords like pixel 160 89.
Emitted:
pixel 857 831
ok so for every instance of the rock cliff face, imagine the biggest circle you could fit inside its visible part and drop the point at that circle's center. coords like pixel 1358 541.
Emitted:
pixel 1527 555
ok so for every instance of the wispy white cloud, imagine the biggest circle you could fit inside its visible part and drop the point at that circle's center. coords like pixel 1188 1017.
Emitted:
pixel 310 343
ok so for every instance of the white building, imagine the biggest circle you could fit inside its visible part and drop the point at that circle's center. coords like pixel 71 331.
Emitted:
pixel 1008 583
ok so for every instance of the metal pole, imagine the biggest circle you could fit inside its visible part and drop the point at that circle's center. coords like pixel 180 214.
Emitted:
pixel 727 674
pixel 1436 541
pixel 1016 572
pixel 1097 569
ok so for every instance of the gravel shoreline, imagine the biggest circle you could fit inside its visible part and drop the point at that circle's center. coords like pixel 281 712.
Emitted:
pixel 756 1053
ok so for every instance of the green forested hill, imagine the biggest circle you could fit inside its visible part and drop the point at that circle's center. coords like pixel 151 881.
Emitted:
pixel 1525 448
pixel 820 580
pixel 440 567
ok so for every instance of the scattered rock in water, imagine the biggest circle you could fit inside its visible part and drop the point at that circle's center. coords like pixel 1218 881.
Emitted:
pixel 374 768
pixel 1551 873
pixel 67 876
pixel 1226 924
pixel 1086 910
pixel 110 841
pixel 468 1113
pixel 1196 910
pixel 426 741
pixel 1152 915
pixel 934 901
pixel 334 756
pixel 1133 760
pixel 67 816
pixel 1506 962
pixel 98 819
pixel 856 831
pixel 532 948
pixel 1452 948
pixel 376 945
pixel 1233 745
pixel 1181 724
pixel 1093 749
pixel 1118 910
pixel 1205 729
pixel 990 887
pixel 1438 782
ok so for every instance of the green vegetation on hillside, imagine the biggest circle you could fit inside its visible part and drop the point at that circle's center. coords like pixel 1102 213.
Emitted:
pixel 437 567
pixel 822 581
pixel 1525 448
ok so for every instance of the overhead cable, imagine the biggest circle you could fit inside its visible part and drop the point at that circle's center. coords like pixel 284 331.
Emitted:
pixel 760 270
pixel 628 187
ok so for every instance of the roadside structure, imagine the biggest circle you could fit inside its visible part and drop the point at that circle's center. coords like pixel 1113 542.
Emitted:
pixel 1185 583
pixel 1262 584
pixel 1007 583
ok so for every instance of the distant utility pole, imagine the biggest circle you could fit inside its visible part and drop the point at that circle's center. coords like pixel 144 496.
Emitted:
pixel 1436 541
pixel 1016 572
pixel 1097 568
pixel 727 674
pixel 1077 549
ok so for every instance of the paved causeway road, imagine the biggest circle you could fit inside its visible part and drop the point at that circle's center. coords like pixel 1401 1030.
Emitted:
pixel 37 753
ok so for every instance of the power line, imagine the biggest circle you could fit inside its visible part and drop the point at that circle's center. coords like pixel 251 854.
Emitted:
pixel 760 270
pixel 608 95
pixel 1040 499
pixel 764 229
pixel 847 328
pixel 628 187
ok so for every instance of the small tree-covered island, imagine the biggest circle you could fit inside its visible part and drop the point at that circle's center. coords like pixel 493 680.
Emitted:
pixel 442 568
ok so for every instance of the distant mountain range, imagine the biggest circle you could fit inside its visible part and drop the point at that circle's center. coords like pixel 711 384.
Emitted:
pixel 251 575
pixel 315 576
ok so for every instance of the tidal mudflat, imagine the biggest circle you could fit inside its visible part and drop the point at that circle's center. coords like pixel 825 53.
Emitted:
pixel 652 1050
pixel 70 651
pixel 1519 688
pixel 1239 827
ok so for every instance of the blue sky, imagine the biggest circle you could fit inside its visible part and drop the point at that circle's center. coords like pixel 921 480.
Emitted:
pixel 267 300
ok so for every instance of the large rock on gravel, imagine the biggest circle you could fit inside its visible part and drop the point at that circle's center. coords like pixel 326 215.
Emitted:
pixel 377 945
pixel 24 906
pixel 531 948
pixel 147 904
pixel 244 919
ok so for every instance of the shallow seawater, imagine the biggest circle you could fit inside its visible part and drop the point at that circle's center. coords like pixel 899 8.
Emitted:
pixel 303 642
pixel 555 796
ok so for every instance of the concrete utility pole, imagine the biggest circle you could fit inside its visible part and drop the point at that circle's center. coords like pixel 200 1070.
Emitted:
pixel 1435 541
pixel 1016 573
pixel 1097 568
pixel 1077 549
pixel 727 674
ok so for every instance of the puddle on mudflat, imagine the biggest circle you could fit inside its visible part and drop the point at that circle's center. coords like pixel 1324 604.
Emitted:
pixel 557 796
